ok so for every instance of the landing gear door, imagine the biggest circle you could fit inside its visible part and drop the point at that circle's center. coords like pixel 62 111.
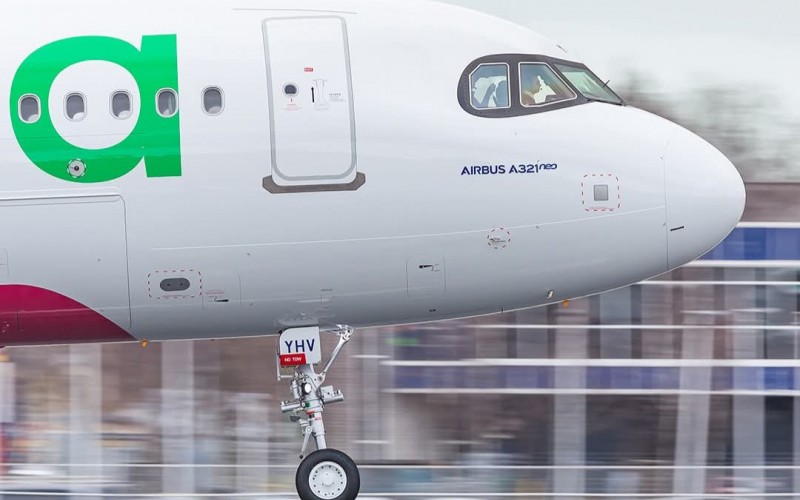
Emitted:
pixel 300 346
pixel 312 117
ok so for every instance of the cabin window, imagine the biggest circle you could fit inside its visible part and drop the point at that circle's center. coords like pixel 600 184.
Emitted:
pixel 121 105
pixel 29 109
pixel 489 86
pixel 213 101
pixel 588 84
pixel 167 103
pixel 75 107
pixel 539 86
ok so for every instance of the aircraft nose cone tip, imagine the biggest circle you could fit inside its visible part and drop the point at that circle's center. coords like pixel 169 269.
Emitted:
pixel 705 197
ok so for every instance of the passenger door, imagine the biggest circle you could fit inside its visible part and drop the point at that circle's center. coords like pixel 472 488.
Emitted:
pixel 312 116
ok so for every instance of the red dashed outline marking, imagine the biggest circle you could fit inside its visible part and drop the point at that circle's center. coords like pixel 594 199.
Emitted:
pixel 604 209
pixel 175 271
pixel 495 231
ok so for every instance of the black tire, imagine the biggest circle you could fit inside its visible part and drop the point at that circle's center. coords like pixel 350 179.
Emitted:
pixel 348 468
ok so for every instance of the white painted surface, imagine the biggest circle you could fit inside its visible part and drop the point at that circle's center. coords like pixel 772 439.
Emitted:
pixel 321 258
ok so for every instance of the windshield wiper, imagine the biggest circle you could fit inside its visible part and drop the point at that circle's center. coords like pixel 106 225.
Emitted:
pixel 618 102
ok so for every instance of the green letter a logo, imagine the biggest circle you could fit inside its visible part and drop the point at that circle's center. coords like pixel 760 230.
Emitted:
pixel 155 138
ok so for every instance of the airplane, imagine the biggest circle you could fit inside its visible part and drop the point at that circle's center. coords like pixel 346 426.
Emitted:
pixel 202 170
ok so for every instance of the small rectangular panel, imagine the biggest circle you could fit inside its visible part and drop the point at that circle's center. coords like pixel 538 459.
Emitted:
pixel 311 108
pixel 601 193
pixel 426 276
pixel 300 346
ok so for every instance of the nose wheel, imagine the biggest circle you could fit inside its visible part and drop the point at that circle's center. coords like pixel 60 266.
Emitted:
pixel 325 474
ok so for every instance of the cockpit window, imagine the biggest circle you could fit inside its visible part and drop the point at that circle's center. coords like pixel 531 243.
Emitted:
pixel 588 84
pixel 510 85
pixel 540 86
pixel 489 86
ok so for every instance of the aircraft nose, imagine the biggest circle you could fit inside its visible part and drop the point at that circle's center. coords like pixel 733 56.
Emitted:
pixel 705 197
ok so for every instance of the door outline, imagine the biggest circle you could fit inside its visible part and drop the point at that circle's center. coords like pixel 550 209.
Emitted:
pixel 95 198
pixel 269 182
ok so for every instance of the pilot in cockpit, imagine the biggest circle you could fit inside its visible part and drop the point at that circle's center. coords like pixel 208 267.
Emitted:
pixel 495 95
pixel 541 86
pixel 537 93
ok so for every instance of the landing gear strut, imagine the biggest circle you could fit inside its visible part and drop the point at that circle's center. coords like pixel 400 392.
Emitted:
pixel 325 474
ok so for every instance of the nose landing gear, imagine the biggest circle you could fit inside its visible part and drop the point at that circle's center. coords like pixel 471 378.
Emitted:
pixel 325 474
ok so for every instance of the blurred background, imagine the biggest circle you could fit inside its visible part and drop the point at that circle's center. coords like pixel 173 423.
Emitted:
pixel 686 384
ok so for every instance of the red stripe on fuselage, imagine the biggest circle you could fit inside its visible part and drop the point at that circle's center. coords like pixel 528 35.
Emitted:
pixel 31 315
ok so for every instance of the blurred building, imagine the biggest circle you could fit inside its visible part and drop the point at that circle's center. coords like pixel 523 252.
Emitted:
pixel 687 383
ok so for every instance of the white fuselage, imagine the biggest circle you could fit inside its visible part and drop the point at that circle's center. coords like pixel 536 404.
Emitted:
pixel 369 211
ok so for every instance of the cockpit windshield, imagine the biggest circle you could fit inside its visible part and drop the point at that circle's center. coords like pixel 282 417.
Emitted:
pixel 539 85
pixel 511 85
pixel 588 84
